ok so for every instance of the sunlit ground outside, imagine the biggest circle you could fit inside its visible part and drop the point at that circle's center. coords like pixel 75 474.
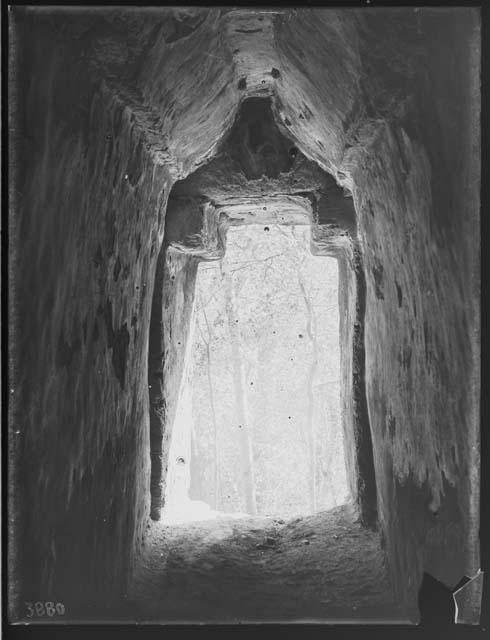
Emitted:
pixel 258 427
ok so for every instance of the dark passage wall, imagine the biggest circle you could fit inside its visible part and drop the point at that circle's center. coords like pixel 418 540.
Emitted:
pixel 170 323
pixel 417 197
pixel 87 229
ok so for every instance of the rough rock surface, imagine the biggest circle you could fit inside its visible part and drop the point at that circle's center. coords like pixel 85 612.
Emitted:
pixel 111 108
pixel 171 314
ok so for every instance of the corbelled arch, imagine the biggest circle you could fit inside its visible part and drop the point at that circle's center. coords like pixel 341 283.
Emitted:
pixel 257 176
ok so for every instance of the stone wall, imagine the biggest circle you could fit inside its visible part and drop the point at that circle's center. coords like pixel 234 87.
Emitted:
pixel 87 228
pixel 416 193
pixel 170 324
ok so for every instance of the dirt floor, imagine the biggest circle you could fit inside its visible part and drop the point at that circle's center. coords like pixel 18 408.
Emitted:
pixel 323 568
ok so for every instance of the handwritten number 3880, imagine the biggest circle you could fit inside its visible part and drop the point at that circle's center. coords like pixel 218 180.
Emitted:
pixel 45 608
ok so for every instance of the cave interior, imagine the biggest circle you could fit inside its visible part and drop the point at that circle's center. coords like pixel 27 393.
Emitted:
pixel 141 137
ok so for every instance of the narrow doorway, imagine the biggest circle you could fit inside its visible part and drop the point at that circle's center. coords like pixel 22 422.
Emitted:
pixel 258 426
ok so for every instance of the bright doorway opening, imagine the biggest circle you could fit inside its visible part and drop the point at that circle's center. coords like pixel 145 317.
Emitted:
pixel 258 426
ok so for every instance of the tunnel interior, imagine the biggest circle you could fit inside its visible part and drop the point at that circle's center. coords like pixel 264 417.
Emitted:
pixel 141 140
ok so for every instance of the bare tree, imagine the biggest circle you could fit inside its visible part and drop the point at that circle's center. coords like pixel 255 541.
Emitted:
pixel 311 333
pixel 206 341
pixel 264 405
pixel 243 427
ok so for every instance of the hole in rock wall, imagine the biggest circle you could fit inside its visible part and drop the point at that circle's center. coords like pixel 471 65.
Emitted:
pixel 257 430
